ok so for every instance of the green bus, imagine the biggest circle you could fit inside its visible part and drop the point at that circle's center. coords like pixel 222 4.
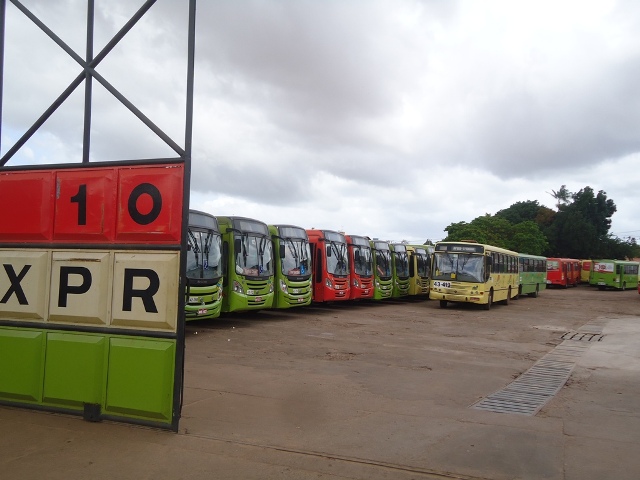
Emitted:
pixel 419 269
pixel 293 266
pixel 247 250
pixel 532 270
pixel 204 267
pixel 400 267
pixel 618 274
pixel 382 270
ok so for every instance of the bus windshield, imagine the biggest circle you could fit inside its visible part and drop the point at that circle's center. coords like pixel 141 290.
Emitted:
pixel 423 264
pixel 462 267
pixel 204 259
pixel 362 263
pixel 383 263
pixel 296 256
pixel 402 263
pixel 255 256
pixel 338 262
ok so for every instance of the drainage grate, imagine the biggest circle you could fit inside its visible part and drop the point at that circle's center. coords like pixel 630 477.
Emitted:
pixel 528 393
pixel 582 336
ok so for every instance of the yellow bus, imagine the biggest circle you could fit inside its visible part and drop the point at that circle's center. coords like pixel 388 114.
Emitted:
pixel 473 273
pixel 419 269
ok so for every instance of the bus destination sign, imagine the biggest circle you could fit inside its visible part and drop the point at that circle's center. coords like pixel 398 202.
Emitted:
pixel 459 248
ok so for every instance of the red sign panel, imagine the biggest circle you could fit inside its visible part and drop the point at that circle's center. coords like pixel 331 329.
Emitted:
pixel 26 206
pixel 104 205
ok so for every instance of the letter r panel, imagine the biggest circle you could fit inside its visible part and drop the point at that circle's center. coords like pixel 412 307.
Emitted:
pixel 135 305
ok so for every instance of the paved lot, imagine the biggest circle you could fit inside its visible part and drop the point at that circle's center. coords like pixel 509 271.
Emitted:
pixel 374 391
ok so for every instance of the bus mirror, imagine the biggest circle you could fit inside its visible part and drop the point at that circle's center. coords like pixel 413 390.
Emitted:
pixel 328 250
pixel 237 245
pixel 282 251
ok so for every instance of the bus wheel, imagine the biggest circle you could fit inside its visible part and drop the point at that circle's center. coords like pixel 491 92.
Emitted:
pixel 536 293
pixel 443 304
pixel 506 300
pixel 487 306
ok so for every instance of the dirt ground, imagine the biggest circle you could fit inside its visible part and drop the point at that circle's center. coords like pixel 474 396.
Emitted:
pixel 373 390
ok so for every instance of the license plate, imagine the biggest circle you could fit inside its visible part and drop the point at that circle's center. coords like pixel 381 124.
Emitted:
pixel 195 300
pixel 202 311
pixel 250 292
pixel 258 299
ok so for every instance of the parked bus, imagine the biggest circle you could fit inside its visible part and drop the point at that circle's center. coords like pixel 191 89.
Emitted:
pixel 382 270
pixel 585 270
pixel 563 271
pixel 474 273
pixel 400 269
pixel 292 273
pixel 361 262
pixel 204 267
pixel 532 274
pixel 618 274
pixel 330 265
pixel 248 253
pixel 419 269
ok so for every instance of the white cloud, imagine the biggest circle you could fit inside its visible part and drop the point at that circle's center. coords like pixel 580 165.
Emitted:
pixel 384 118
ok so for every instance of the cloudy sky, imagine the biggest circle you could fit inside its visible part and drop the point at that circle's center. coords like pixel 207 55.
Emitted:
pixel 386 118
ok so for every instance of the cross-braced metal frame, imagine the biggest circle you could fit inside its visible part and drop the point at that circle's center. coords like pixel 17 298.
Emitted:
pixel 89 73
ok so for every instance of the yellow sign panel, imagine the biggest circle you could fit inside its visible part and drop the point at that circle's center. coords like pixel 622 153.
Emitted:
pixel 145 290
pixel 24 276
pixel 136 290
pixel 79 292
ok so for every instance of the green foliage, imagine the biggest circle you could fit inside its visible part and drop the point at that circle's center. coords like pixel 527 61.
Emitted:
pixel 578 229
pixel 496 230
pixel 528 238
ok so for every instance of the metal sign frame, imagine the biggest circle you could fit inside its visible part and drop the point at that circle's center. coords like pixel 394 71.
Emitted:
pixel 88 65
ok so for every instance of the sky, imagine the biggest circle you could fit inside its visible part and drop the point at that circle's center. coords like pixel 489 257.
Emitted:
pixel 385 118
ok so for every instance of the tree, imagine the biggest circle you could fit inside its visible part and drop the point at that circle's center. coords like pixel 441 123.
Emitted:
pixel 521 211
pixel 581 225
pixel 498 231
pixel 528 238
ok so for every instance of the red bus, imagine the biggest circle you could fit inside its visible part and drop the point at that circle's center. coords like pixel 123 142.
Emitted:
pixel 330 266
pixel 361 262
pixel 563 271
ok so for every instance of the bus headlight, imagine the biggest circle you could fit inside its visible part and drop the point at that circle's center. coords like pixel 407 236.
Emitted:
pixel 356 283
pixel 283 286
pixel 270 287
pixel 328 283
pixel 237 287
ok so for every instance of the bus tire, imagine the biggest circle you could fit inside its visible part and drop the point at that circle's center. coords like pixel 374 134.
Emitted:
pixel 536 293
pixel 443 304
pixel 506 300
pixel 487 306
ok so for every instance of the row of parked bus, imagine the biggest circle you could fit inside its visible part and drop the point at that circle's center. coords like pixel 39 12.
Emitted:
pixel 240 264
